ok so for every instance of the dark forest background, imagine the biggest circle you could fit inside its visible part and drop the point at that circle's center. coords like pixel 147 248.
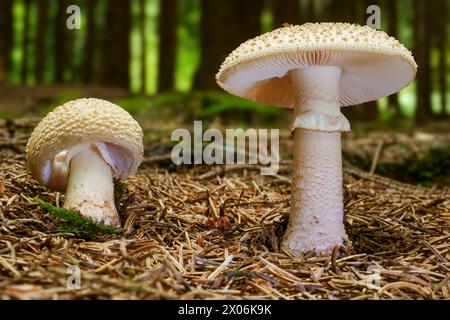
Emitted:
pixel 163 54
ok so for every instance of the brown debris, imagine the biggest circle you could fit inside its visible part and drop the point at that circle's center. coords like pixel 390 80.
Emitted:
pixel 200 232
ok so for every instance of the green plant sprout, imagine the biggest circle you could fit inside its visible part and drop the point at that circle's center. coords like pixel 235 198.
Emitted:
pixel 75 222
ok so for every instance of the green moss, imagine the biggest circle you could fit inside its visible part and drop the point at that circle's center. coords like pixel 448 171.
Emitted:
pixel 76 223
pixel 428 167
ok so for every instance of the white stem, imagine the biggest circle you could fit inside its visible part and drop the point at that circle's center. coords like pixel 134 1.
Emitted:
pixel 90 189
pixel 316 218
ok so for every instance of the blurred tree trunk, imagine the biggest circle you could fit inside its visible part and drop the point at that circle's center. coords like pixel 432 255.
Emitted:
pixel 73 68
pixel 115 55
pixel 369 110
pixel 168 20
pixel 60 43
pixel 286 11
pixel 360 16
pixel 5 37
pixel 422 47
pixel 311 11
pixel 441 31
pixel 225 24
pixel 88 69
pixel 25 42
pixel 342 11
pixel 353 12
pixel 40 40
pixel 392 19
pixel 144 44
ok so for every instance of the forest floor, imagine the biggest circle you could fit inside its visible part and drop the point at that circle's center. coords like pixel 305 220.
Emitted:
pixel 196 232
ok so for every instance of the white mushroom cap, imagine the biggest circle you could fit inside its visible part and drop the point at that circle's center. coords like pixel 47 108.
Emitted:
pixel 77 125
pixel 373 64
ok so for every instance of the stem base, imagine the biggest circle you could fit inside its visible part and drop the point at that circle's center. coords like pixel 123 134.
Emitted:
pixel 316 219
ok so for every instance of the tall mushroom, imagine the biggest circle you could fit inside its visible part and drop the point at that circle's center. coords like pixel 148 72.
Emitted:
pixel 80 147
pixel 315 69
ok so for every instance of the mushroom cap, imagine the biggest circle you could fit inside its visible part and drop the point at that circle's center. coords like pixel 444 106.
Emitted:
pixel 79 124
pixel 373 64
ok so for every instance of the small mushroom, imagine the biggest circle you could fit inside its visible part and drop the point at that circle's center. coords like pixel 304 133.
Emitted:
pixel 80 147
pixel 317 68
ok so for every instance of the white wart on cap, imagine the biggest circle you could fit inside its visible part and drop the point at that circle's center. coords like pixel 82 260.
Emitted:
pixel 96 136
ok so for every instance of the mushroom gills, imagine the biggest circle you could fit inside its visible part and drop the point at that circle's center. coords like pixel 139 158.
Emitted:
pixel 120 159
pixel 56 171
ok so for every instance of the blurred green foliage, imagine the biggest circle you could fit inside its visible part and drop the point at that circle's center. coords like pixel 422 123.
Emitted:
pixel 427 167
pixel 187 54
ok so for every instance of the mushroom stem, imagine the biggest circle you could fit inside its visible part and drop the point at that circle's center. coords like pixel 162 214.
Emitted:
pixel 90 189
pixel 316 218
